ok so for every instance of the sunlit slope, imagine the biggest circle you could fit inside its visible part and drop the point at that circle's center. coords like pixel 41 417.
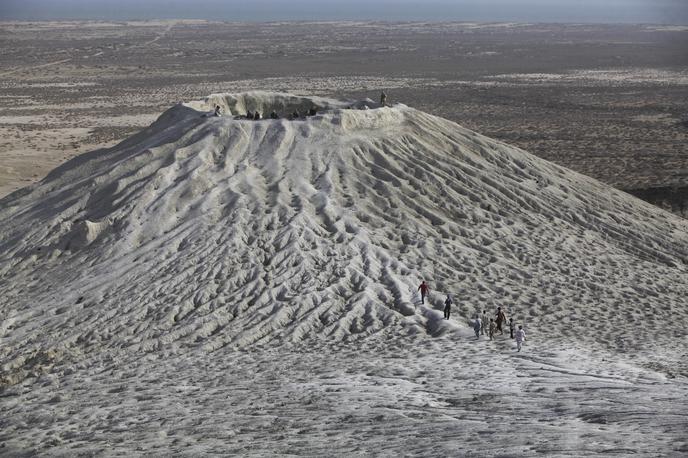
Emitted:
pixel 215 232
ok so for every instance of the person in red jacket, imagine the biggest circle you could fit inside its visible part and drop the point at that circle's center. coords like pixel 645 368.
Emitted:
pixel 424 290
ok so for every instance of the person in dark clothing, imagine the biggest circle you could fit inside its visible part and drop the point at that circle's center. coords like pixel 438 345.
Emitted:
pixel 217 110
pixel 424 290
pixel 511 328
pixel 256 116
pixel 501 318
pixel 249 114
pixel 447 307
pixel 274 115
pixel 383 99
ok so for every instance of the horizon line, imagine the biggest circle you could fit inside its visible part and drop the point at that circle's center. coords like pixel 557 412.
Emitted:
pixel 314 21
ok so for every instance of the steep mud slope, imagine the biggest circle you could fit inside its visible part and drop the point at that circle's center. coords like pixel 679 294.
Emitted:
pixel 208 232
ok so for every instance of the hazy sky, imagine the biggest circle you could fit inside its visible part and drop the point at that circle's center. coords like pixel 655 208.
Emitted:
pixel 611 11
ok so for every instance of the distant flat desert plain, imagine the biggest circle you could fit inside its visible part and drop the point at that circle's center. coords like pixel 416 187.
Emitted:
pixel 608 101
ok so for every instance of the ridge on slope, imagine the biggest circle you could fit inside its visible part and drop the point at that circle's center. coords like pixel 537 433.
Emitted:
pixel 213 232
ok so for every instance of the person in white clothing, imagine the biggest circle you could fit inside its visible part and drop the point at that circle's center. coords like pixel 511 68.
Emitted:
pixel 520 337
pixel 484 323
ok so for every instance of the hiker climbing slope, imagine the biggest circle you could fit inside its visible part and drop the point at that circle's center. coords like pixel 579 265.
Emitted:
pixel 520 337
pixel 484 323
pixel 477 326
pixel 424 290
pixel 501 318
pixel 447 307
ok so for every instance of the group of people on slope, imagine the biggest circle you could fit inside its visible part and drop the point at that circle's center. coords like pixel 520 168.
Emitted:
pixel 482 325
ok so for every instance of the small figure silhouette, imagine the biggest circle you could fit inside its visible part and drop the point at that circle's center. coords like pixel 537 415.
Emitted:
pixel 500 319
pixel 477 326
pixel 520 337
pixel 484 323
pixel 447 307
pixel 424 290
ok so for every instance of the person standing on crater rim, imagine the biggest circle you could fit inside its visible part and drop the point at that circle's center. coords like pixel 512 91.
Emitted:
pixel 424 290
pixel 383 99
